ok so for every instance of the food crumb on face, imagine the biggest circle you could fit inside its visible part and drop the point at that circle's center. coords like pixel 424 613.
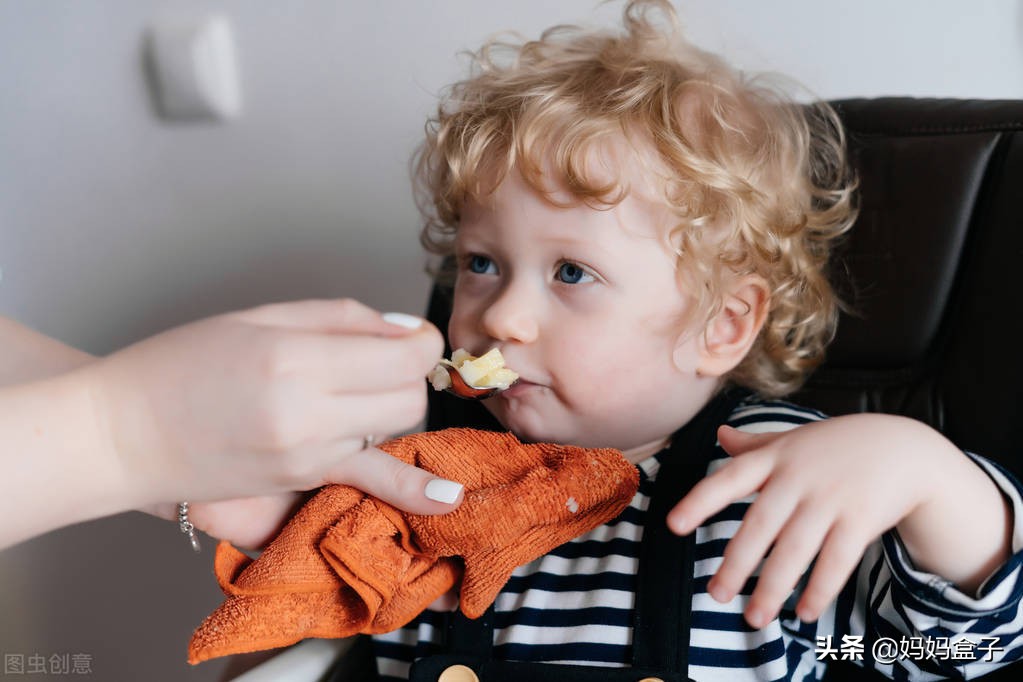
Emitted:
pixel 572 505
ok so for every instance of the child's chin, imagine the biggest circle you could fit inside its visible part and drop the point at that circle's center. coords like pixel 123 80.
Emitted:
pixel 528 425
pixel 535 435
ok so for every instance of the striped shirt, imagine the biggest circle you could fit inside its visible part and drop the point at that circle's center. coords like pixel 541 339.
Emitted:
pixel 574 605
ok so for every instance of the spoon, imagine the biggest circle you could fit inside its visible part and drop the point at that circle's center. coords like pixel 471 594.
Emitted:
pixel 460 388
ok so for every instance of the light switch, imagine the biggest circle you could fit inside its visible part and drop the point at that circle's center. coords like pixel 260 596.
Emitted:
pixel 194 67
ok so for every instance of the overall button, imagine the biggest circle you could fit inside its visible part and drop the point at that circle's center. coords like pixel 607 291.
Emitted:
pixel 458 673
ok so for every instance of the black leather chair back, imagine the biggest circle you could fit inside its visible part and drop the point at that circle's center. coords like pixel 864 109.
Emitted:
pixel 930 269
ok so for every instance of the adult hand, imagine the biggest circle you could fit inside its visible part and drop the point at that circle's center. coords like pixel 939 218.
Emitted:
pixel 253 405
pixel 246 522
pixel 269 400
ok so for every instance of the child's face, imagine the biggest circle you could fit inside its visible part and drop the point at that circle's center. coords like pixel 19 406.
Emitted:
pixel 585 305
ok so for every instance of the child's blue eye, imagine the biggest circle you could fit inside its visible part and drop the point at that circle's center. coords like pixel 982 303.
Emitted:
pixel 481 265
pixel 570 273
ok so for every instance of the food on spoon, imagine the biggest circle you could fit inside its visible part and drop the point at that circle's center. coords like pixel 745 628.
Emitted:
pixel 484 372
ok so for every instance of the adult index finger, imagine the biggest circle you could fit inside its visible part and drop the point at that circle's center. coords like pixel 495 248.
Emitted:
pixel 349 363
pixel 343 315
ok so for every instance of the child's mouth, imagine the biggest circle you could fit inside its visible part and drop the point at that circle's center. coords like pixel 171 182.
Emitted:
pixel 518 388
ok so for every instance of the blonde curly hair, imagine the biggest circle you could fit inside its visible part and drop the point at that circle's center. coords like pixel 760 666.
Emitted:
pixel 757 182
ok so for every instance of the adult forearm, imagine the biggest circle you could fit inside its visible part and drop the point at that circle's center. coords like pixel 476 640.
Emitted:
pixel 57 468
pixel 247 404
pixel 26 355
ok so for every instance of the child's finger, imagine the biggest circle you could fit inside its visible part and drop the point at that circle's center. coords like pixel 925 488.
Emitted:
pixel 736 442
pixel 794 550
pixel 760 526
pixel 734 481
pixel 842 551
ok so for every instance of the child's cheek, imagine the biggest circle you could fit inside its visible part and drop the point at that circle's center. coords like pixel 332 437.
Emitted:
pixel 590 309
pixel 460 324
pixel 460 331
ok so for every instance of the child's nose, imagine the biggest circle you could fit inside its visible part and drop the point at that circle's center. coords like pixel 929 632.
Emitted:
pixel 512 316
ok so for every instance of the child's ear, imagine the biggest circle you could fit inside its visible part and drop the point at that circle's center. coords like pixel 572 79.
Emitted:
pixel 730 334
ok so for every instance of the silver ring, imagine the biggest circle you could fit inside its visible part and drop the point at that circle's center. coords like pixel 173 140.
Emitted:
pixel 368 441
pixel 186 526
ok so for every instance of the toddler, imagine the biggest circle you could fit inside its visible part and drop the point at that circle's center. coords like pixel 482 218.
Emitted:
pixel 643 232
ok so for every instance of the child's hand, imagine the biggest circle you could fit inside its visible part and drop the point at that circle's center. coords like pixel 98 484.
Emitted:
pixel 828 489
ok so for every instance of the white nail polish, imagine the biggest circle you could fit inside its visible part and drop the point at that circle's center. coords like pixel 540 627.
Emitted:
pixel 403 320
pixel 441 490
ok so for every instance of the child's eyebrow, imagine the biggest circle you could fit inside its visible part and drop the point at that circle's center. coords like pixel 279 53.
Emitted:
pixel 464 242
pixel 576 244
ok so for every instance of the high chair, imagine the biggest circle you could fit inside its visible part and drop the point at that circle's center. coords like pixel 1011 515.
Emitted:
pixel 931 275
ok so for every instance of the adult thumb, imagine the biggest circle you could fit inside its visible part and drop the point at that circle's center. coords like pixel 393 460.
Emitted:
pixel 402 485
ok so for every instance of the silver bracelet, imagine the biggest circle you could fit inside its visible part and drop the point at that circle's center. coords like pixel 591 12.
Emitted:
pixel 186 526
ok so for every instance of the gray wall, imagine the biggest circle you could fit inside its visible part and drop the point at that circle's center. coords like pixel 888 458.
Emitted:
pixel 115 224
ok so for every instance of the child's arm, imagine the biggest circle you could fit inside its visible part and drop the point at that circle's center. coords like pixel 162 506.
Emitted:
pixel 834 486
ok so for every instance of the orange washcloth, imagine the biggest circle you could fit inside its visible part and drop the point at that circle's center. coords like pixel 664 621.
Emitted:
pixel 348 563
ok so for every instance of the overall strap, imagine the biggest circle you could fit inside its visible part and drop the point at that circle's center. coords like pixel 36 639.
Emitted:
pixel 661 621
pixel 664 594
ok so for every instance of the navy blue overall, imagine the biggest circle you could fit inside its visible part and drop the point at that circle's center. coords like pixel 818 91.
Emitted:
pixel 664 593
